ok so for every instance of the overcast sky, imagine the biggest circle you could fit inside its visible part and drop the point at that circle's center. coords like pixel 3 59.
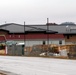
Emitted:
pixel 37 11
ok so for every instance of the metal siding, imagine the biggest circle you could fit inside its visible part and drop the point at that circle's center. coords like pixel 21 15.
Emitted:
pixel 34 36
pixel 40 42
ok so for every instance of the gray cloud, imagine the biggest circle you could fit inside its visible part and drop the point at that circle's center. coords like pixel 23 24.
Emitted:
pixel 36 11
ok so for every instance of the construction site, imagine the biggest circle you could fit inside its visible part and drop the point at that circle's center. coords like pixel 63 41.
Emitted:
pixel 50 40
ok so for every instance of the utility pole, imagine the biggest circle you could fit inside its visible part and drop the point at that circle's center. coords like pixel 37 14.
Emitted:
pixel 23 46
pixel 24 35
pixel 47 31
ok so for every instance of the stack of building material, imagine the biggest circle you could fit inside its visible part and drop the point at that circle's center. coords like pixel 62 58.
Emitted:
pixel 27 50
pixel 2 52
pixel 2 49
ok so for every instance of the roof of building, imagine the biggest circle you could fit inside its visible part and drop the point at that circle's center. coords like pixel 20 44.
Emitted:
pixel 18 28
pixel 68 23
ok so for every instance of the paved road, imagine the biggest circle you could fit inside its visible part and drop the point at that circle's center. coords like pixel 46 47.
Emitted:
pixel 37 66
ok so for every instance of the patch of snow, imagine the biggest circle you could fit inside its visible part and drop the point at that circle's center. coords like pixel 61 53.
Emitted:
pixel 37 65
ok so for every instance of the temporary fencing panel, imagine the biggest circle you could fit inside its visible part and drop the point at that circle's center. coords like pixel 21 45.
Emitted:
pixel 15 50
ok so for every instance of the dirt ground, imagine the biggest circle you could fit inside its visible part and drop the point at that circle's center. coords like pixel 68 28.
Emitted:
pixel 2 74
pixel 6 73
